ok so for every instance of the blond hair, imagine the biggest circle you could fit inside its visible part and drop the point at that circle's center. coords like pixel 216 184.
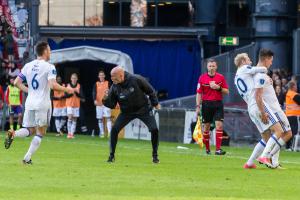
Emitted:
pixel 240 58
pixel 74 74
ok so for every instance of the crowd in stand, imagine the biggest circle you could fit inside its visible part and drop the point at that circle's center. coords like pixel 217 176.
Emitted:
pixel 14 52
pixel 281 79
pixel 6 50
pixel 13 32
pixel 287 91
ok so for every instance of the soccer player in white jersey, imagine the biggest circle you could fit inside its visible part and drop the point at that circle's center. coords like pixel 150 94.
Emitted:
pixel 265 85
pixel 259 112
pixel 40 77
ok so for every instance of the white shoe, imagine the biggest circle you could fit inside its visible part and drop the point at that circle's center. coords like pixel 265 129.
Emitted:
pixel 278 167
pixel 289 149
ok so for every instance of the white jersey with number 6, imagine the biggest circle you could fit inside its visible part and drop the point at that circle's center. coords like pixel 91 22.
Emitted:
pixel 37 73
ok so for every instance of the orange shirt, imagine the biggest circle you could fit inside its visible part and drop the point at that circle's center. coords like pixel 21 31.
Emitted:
pixel 74 101
pixel 101 87
pixel 292 108
pixel 59 103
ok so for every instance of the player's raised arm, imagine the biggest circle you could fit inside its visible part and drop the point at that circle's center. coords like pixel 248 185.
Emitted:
pixel 243 60
pixel 255 70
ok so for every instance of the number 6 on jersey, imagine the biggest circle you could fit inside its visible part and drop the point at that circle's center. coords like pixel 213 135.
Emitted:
pixel 34 82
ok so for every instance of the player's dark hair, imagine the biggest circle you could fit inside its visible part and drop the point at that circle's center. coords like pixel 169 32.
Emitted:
pixel 265 53
pixel 41 47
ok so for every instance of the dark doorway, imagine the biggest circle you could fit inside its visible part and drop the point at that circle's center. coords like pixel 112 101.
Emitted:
pixel 87 71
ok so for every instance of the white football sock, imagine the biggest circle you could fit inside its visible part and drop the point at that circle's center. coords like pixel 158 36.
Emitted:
pixel 101 127
pixel 108 124
pixel 62 123
pixel 275 158
pixel 277 147
pixel 69 126
pixel 257 151
pixel 57 124
pixel 23 132
pixel 35 143
pixel 73 129
pixel 269 146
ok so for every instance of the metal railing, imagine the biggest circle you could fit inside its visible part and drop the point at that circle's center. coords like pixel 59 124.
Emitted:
pixel 237 122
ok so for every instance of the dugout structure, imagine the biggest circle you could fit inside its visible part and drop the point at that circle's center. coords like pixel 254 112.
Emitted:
pixel 92 53
pixel 86 61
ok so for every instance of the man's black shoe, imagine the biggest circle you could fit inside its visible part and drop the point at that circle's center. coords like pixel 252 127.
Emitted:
pixel 208 152
pixel 220 152
pixel 111 159
pixel 29 162
pixel 155 160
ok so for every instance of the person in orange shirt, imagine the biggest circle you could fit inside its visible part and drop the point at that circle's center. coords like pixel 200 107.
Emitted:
pixel 101 111
pixel 292 110
pixel 73 105
pixel 59 107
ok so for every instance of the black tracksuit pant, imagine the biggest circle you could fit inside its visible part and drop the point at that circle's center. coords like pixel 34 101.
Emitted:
pixel 123 119
pixel 293 120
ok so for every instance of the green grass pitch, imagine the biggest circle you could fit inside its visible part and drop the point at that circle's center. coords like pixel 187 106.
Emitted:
pixel 76 169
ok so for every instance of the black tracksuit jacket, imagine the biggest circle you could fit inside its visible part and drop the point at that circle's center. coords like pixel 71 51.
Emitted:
pixel 135 95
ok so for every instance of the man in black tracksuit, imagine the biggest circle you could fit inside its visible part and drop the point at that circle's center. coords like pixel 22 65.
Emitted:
pixel 136 98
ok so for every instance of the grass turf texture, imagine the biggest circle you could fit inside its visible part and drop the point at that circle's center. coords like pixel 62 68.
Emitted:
pixel 77 169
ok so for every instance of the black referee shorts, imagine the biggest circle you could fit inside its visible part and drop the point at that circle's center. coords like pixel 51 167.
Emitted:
pixel 212 111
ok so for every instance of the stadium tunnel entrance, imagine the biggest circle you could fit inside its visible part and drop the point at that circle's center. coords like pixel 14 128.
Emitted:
pixel 87 62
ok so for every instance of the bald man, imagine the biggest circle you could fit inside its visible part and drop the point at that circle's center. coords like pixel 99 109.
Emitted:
pixel 136 98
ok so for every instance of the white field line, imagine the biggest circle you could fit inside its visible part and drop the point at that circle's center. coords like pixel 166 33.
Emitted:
pixel 187 152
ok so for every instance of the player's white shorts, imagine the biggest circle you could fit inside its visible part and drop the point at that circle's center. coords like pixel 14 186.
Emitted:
pixel 254 114
pixel 34 118
pixel 102 111
pixel 73 111
pixel 283 120
pixel 59 112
